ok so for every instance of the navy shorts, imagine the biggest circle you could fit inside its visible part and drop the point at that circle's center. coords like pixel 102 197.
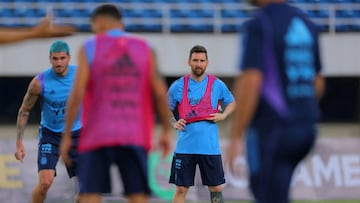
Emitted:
pixel 183 169
pixel 273 154
pixel 48 152
pixel 94 170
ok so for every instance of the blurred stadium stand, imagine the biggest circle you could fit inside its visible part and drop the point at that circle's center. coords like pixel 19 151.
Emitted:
pixel 177 16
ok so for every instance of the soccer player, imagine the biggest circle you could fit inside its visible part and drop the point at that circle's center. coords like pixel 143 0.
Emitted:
pixel 195 101
pixel 52 87
pixel 119 85
pixel 277 95
pixel 42 30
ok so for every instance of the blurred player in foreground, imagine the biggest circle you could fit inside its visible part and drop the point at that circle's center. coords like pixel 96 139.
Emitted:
pixel 277 95
pixel 118 83
pixel 53 87
pixel 42 30
pixel 194 99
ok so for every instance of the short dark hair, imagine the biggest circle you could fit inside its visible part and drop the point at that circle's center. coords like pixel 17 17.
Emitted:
pixel 106 10
pixel 198 49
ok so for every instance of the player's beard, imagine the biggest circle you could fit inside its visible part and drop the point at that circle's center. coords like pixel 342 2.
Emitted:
pixel 60 70
pixel 198 72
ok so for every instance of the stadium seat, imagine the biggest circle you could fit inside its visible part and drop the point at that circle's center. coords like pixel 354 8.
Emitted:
pixel 344 13
pixel 178 28
pixel 6 12
pixel 323 28
pixel 342 28
pixel 317 1
pixel 341 1
pixel 177 13
pixel 152 28
pixel 311 13
pixel 233 13
pixel 229 28
pixel 185 15
pixel 200 28
pixel 131 28
pixel 323 13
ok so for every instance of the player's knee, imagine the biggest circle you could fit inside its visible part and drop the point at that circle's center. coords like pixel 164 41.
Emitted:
pixel 45 185
pixel 180 190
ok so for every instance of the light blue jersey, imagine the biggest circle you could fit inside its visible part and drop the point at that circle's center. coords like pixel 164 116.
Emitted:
pixel 54 91
pixel 199 137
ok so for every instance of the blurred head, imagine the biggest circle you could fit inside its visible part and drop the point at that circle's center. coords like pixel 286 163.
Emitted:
pixel 59 57
pixel 106 17
pixel 198 60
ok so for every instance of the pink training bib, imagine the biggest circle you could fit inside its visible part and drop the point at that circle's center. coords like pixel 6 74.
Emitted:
pixel 118 102
pixel 200 111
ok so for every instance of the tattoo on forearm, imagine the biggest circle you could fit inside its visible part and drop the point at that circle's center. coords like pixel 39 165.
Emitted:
pixel 28 103
pixel 21 123
pixel 30 99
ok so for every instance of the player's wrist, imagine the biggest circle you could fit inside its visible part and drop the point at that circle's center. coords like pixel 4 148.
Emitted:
pixel 19 143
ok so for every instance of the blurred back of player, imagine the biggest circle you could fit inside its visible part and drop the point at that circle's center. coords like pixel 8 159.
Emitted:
pixel 277 95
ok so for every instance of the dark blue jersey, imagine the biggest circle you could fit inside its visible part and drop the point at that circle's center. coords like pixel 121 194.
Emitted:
pixel 283 44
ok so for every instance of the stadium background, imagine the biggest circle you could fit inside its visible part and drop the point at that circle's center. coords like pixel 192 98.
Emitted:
pixel 172 27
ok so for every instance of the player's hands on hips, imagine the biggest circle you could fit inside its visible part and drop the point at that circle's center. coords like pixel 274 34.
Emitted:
pixel 65 147
pixel 46 28
pixel 235 148
pixel 216 117
pixel 180 124
pixel 20 152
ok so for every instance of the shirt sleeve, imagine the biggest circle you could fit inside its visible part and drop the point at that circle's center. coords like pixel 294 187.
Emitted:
pixel 252 46
pixel 225 96
pixel 175 93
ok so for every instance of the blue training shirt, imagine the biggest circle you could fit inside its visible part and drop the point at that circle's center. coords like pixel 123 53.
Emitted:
pixel 199 137
pixel 283 44
pixel 54 92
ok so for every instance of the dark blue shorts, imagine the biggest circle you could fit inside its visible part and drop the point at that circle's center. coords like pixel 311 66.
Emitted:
pixel 273 154
pixel 183 169
pixel 48 152
pixel 94 170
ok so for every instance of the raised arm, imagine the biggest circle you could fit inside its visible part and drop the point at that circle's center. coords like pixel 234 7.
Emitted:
pixel 42 30
pixel 30 98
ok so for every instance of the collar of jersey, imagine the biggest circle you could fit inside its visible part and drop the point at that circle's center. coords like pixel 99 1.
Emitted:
pixel 115 32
